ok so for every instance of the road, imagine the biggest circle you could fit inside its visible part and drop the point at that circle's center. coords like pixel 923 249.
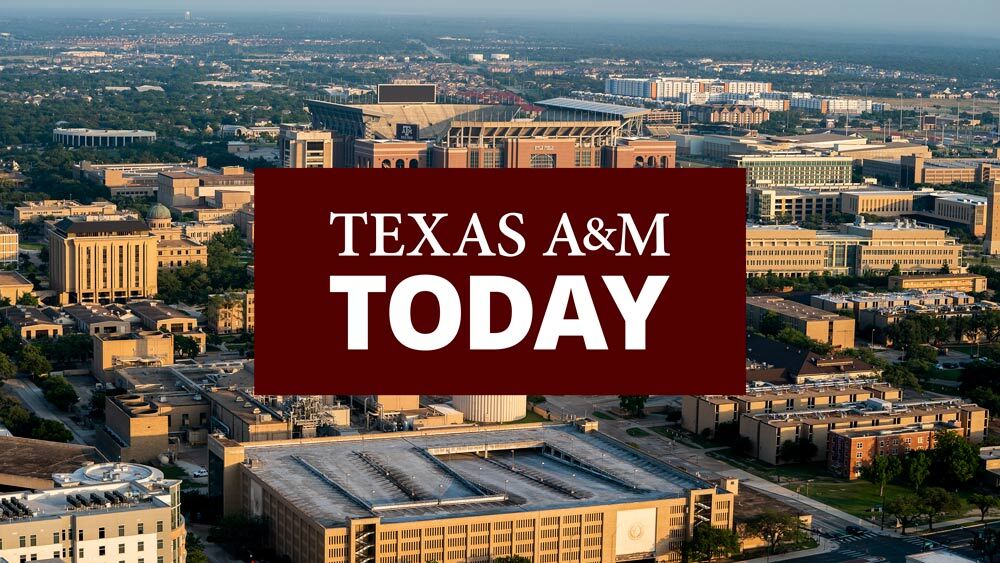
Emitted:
pixel 34 400
pixel 959 540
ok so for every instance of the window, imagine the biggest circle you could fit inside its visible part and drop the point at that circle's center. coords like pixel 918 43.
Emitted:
pixel 101 550
pixel 141 528
pixel 142 546
pixel 159 523
pixel 100 533
pixel 543 161
pixel 159 544
pixel 121 530
pixel 121 548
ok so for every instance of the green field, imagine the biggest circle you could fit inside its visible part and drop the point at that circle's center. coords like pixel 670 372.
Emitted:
pixel 685 438
pixel 637 432
pixel 603 415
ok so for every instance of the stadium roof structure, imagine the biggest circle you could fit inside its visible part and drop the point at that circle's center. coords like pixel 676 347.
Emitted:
pixel 600 108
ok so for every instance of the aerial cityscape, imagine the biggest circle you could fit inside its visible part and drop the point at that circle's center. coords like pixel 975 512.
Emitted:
pixel 130 430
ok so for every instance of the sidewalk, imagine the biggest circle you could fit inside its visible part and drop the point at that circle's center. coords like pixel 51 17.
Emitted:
pixel 825 546
pixel 775 490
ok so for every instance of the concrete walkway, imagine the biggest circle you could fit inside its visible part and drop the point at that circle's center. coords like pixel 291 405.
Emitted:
pixel 775 490
pixel 34 400
pixel 825 546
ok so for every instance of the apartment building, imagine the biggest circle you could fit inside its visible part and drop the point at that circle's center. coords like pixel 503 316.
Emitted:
pixel 769 431
pixel 794 170
pixel 705 412
pixel 101 512
pixel 734 114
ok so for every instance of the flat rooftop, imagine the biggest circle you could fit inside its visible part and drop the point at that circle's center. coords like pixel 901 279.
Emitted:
pixel 444 474
pixel 39 459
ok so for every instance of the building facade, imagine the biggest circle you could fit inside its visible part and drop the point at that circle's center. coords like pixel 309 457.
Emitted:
pixel 298 148
pixel 101 512
pixel 99 260
pixel 594 500
pixel 785 250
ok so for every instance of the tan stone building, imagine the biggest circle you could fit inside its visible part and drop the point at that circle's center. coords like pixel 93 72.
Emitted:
pixel 102 512
pixel 391 153
pixel 700 412
pixel 13 285
pixel 145 348
pixel 823 326
pixel 137 426
pixel 59 208
pixel 231 312
pixel 157 316
pixel 130 179
pixel 769 431
pixel 100 260
pixel 592 500
pixel 195 187
pixel 786 250
pixel 299 148
pixel 912 170
pixel 31 323
pixel 9 249
pixel 971 283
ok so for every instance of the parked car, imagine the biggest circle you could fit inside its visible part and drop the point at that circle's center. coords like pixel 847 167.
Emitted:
pixel 855 530
pixel 202 472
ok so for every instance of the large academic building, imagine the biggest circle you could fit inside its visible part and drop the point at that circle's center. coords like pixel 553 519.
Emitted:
pixel 786 250
pixel 102 259
pixel 551 493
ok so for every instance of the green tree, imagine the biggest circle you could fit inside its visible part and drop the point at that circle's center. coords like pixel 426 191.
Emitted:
pixel 59 392
pixel 771 324
pixel 906 508
pixel 33 362
pixel 954 460
pixel 195 549
pixel 633 405
pixel 27 300
pixel 985 503
pixel 895 270
pixel 917 469
pixel 51 430
pixel 186 346
pixel 709 543
pixel 936 502
pixel 881 471
pixel 7 367
pixel 899 375
pixel 799 451
pixel 774 528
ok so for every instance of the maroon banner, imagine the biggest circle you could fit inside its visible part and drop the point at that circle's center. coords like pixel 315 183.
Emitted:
pixel 445 281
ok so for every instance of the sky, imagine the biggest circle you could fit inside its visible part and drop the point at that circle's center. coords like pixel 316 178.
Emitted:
pixel 951 16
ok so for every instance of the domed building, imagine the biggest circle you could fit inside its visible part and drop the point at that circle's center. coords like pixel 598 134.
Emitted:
pixel 158 217
pixel 174 248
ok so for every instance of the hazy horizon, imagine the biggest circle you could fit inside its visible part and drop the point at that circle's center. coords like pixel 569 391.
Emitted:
pixel 962 17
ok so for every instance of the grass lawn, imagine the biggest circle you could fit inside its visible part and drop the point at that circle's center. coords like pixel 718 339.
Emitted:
pixel 31 245
pixel 174 472
pixel 636 432
pixel 603 415
pixel 949 374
